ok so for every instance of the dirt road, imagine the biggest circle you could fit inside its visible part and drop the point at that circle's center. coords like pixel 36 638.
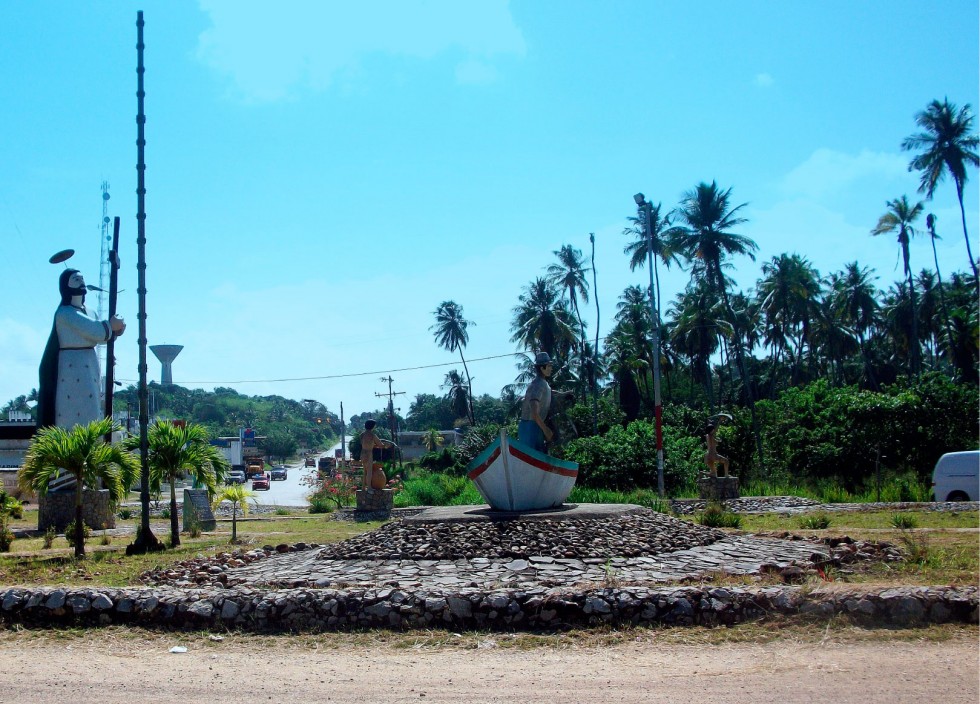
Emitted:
pixel 132 671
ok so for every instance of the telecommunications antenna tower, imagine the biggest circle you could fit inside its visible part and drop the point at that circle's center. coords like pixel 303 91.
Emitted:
pixel 105 235
pixel 106 239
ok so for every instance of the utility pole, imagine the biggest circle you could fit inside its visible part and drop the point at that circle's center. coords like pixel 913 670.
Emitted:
pixel 392 425
pixel 343 439
pixel 646 208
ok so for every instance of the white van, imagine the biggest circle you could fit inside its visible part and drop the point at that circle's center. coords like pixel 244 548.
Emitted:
pixel 957 477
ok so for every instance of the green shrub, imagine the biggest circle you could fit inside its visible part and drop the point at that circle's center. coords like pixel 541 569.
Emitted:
pixel 49 535
pixel 816 521
pixel 282 511
pixel 904 521
pixel 165 513
pixel 320 504
pixel 431 489
pixel 125 513
pixel 715 515
pixel 626 458
pixel 70 533
pixel 441 460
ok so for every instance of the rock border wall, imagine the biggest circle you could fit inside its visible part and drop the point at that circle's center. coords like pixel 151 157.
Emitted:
pixel 317 610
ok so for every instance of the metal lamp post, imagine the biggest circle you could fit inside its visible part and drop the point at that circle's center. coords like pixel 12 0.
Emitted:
pixel 645 208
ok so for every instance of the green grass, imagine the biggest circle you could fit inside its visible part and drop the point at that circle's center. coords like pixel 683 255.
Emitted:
pixel 893 489
pixel 815 521
pixel 641 497
pixel 109 565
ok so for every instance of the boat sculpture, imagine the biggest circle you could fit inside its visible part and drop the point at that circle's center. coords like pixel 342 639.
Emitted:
pixel 511 476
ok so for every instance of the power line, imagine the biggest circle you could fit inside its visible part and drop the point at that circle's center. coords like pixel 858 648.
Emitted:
pixel 345 376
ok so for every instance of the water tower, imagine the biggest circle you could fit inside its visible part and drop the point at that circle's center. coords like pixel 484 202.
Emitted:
pixel 166 354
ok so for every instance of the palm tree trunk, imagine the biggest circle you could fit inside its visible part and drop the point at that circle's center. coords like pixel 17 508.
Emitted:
pixel 581 327
pixel 79 519
pixel 174 525
pixel 969 252
pixel 469 388
pixel 914 346
pixel 234 521
pixel 740 359
pixel 942 297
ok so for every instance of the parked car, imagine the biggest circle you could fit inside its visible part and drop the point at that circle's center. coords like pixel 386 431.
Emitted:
pixel 278 472
pixel 311 461
pixel 260 481
pixel 957 477
pixel 235 476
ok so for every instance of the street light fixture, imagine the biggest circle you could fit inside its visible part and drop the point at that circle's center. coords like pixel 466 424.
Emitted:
pixel 645 209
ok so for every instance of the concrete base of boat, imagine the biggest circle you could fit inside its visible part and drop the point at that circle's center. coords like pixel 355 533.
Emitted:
pixel 483 512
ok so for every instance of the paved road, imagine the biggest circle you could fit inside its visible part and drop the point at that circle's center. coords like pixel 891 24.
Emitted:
pixel 292 491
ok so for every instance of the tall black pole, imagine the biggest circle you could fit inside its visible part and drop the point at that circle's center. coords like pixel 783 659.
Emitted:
pixel 110 347
pixel 145 540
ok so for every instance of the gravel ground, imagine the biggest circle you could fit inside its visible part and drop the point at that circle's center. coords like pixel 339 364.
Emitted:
pixel 641 534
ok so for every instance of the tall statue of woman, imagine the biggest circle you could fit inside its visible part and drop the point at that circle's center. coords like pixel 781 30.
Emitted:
pixel 70 381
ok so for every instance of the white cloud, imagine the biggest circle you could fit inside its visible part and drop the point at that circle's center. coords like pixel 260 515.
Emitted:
pixel 828 172
pixel 268 50
pixel 763 80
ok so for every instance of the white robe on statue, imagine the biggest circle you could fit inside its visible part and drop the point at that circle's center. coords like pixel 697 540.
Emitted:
pixel 79 393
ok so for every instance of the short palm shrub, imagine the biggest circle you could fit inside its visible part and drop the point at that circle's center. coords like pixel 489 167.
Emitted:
pixel 715 515
pixel 49 535
pixel 816 521
pixel 71 532
pixel 904 521
pixel 125 513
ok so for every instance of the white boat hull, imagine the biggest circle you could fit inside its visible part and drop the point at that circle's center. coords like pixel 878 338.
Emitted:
pixel 511 476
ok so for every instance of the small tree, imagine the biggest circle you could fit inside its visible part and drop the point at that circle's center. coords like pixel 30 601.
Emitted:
pixel 239 496
pixel 82 452
pixel 432 440
pixel 178 450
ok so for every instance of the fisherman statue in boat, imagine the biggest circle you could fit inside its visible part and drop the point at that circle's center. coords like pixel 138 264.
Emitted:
pixel 519 475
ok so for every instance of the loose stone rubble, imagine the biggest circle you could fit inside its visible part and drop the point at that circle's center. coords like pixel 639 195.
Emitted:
pixel 641 533
pixel 797 504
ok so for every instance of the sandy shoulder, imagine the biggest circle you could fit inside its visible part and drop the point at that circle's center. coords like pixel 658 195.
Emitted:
pixel 129 671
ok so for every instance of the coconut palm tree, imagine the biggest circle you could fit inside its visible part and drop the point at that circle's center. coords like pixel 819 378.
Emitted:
pixel 664 245
pixel 451 334
pixel 695 330
pixel 456 393
pixel 568 274
pixel 542 320
pixel 239 497
pixel 899 218
pixel 705 239
pixel 787 293
pixel 176 451
pixel 855 305
pixel 432 440
pixel 82 452
pixel 947 144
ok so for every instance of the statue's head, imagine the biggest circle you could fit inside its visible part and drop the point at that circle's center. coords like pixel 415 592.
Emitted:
pixel 71 283
pixel 369 424
pixel 543 364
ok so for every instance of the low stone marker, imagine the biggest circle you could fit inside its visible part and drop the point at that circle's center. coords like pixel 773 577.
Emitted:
pixel 197 510
pixel 374 504
pixel 717 488
pixel 57 510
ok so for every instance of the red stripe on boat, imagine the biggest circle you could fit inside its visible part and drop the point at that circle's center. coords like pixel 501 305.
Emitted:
pixel 534 462
pixel 477 471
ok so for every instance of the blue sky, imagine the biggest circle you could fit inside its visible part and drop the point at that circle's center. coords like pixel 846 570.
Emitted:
pixel 320 175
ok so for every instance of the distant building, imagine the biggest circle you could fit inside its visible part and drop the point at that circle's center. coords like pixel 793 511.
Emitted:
pixel 410 442
pixel 15 437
